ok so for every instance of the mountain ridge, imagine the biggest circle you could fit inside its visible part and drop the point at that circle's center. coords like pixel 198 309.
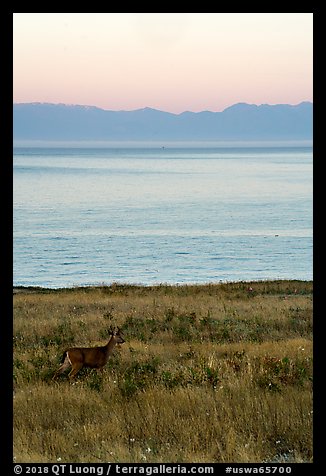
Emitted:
pixel 240 121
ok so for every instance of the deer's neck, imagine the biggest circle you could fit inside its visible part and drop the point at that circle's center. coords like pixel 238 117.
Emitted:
pixel 110 346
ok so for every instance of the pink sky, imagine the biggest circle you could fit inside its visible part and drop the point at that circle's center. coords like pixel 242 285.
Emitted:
pixel 168 61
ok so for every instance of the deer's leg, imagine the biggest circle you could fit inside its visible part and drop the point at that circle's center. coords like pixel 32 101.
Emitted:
pixel 62 368
pixel 75 368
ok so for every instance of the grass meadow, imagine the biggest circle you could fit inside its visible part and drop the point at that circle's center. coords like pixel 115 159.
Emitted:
pixel 208 373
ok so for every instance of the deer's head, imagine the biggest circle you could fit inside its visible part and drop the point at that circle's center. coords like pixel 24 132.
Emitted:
pixel 117 335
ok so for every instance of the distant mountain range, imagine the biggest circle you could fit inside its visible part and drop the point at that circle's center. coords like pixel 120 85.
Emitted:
pixel 61 122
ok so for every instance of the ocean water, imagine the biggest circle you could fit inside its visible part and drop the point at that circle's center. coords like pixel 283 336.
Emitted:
pixel 161 215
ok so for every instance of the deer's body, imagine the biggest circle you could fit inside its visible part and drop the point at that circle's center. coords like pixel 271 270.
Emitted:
pixel 94 357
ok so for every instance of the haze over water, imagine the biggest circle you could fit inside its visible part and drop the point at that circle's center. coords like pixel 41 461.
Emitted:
pixel 161 215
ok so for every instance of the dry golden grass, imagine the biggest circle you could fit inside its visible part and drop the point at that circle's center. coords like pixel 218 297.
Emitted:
pixel 215 373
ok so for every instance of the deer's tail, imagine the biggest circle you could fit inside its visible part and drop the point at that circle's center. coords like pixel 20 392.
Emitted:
pixel 63 356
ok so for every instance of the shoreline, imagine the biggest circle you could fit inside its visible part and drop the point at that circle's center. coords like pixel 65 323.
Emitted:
pixel 134 286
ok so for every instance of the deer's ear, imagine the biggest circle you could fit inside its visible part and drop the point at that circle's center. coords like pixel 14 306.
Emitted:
pixel 111 331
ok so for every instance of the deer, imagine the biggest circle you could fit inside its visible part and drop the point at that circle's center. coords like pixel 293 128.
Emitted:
pixel 94 357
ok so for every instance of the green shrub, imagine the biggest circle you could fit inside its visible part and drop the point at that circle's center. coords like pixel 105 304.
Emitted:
pixel 95 381
pixel 137 376
pixel 275 373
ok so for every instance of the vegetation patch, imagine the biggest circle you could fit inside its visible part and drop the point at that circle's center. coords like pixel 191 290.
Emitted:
pixel 233 362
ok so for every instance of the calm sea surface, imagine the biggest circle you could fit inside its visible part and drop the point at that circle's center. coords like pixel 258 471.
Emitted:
pixel 97 216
